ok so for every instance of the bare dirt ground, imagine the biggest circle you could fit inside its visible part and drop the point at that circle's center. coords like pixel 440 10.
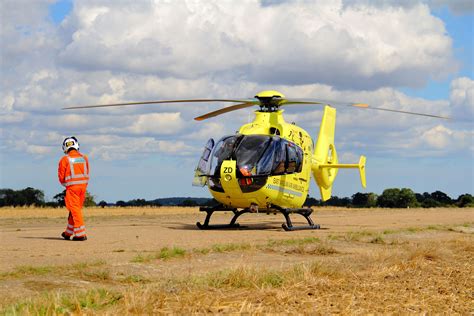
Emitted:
pixel 154 260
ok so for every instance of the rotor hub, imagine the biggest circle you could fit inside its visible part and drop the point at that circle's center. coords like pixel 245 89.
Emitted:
pixel 270 100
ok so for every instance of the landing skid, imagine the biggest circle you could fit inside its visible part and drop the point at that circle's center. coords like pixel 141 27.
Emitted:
pixel 288 226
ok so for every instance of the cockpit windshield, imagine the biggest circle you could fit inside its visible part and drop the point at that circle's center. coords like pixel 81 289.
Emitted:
pixel 256 155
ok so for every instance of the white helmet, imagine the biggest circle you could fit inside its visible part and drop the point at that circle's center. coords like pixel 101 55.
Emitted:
pixel 70 142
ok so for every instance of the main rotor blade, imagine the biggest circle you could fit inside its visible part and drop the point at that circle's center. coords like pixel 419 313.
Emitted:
pixel 404 112
pixel 226 109
pixel 157 102
pixel 357 105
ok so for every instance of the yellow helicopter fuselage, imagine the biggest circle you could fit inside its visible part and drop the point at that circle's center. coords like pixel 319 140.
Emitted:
pixel 287 185
pixel 287 190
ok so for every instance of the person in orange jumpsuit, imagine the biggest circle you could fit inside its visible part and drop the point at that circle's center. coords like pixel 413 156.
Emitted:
pixel 73 173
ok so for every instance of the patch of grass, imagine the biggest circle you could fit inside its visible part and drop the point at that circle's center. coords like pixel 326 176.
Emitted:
pixel 168 253
pixel 77 303
pixel 97 275
pixel 85 265
pixel 165 253
pixel 377 240
pixel 31 270
pixel 358 235
pixel 135 279
pixel 413 229
pixel 292 242
pixel 119 250
pixel 322 249
pixel 23 271
pixel 334 237
pixel 230 247
pixel 201 251
pixel 140 258
pixel 75 269
pixel 425 252
pixel 242 278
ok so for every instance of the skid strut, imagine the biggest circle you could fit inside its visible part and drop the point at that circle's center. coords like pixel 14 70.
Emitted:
pixel 288 226
pixel 305 212
pixel 220 208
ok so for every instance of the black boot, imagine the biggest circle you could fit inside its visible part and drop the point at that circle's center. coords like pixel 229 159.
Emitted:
pixel 66 237
pixel 83 238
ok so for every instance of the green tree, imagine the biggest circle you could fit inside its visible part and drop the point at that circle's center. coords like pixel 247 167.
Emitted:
pixel 364 199
pixel 59 198
pixel 372 200
pixel 389 198
pixel 465 200
pixel 121 203
pixel 337 201
pixel 407 198
pixel 89 201
pixel 311 201
pixel 32 196
pixel 441 197
pixel 394 197
pixel 189 202
pixel 27 196
pixel 429 203
pixel 7 197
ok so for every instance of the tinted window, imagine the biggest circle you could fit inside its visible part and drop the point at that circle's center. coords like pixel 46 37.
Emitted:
pixel 249 152
pixel 279 163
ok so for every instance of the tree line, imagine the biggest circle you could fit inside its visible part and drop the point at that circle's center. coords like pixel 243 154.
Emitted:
pixel 390 198
pixel 396 198
pixel 34 197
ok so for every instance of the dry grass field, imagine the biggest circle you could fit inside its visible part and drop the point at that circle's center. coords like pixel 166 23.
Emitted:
pixel 155 260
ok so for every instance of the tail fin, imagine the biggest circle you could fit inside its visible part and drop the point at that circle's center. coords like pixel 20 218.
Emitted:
pixel 325 163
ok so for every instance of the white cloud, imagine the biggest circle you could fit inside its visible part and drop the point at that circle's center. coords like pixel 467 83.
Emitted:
pixel 293 43
pixel 12 117
pixel 458 7
pixel 111 147
pixel 158 123
pixel 39 150
pixel 462 98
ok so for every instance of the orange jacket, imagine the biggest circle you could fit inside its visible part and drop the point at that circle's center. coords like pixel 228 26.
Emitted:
pixel 73 169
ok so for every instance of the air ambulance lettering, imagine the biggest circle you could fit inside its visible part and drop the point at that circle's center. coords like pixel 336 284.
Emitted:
pixel 290 185
pixel 283 190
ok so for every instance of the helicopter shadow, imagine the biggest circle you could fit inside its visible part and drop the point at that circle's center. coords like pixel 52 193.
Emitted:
pixel 259 226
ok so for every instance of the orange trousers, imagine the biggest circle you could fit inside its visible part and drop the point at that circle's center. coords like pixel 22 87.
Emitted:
pixel 75 196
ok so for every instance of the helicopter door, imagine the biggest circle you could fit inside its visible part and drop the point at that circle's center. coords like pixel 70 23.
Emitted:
pixel 202 169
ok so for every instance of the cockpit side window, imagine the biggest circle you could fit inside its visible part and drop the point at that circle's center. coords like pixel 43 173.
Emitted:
pixel 265 164
pixel 279 162
pixel 292 158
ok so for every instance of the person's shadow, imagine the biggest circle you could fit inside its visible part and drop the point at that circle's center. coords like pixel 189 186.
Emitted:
pixel 47 238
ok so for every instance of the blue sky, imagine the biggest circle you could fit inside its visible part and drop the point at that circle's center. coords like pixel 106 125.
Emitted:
pixel 460 29
pixel 64 53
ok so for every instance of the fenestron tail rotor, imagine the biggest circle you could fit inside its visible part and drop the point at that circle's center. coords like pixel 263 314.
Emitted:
pixel 268 101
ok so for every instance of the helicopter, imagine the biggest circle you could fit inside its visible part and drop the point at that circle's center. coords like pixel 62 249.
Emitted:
pixel 267 165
